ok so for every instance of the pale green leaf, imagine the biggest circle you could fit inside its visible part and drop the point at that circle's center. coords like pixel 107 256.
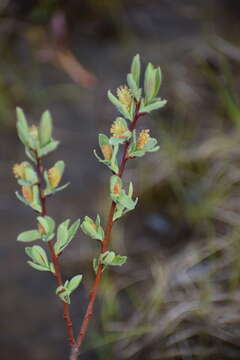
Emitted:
pixel 45 128
pixel 74 283
pixel 29 235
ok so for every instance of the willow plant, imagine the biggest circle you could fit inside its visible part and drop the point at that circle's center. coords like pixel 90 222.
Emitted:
pixel 37 184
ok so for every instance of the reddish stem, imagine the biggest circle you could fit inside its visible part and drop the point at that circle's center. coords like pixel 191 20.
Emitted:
pixel 105 247
pixel 54 257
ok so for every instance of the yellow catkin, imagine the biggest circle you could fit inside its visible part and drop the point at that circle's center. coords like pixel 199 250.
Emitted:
pixel 143 138
pixel 107 151
pixel 27 193
pixel 19 170
pixel 54 176
pixel 118 129
pixel 124 96
pixel 33 131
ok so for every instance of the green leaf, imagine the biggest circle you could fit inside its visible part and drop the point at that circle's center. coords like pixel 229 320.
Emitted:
pixel 137 153
pixel 28 251
pixel 73 230
pixel 24 182
pixel 37 266
pixel 43 220
pixel 158 80
pixel 152 142
pixel 133 104
pixel 151 146
pixel 45 128
pixel 51 268
pixel 136 69
pixel 60 188
pixel 57 172
pixel 52 191
pixel 31 175
pixel 133 86
pixel 113 162
pixel 130 190
pixel 92 229
pixel 22 127
pixel 116 141
pixel 107 257
pixel 30 154
pixel 62 236
pixel 36 204
pixel 154 149
pixel 118 212
pixel 21 198
pixel 119 260
pixel 154 106
pixel 48 225
pixel 114 100
pixel 39 256
pixel 65 235
pixel 113 167
pixel 149 83
pixel 103 140
pixel 63 242
pixel 126 201
pixel 121 210
pixel 110 258
pixel 74 283
pixel 60 165
pixel 51 146
pixel 95 265
pixel 29 235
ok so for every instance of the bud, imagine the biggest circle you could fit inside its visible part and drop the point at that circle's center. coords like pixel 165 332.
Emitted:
pixel 46 226
pixel 54 176
pixel 27 193
pixel 107 151
pixel 92 228
pixel 117 189
pixel 125 97
pixel 41 229
pixel 118 128
pixel 19 170
pixel 143 139
pixel 107 257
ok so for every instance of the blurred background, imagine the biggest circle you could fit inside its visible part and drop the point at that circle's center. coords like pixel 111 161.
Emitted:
pixel 178 296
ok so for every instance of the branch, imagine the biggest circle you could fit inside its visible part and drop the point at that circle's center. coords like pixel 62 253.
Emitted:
pixel 105 247
pixel 54 257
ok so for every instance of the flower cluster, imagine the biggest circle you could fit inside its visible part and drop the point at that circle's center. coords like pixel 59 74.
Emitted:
pixel 125 96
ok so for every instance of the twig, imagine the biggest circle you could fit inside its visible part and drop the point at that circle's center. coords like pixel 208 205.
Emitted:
pixel 54 257
pixel 104 247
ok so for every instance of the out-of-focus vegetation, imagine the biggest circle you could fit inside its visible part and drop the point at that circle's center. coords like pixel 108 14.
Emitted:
pixel 178 297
